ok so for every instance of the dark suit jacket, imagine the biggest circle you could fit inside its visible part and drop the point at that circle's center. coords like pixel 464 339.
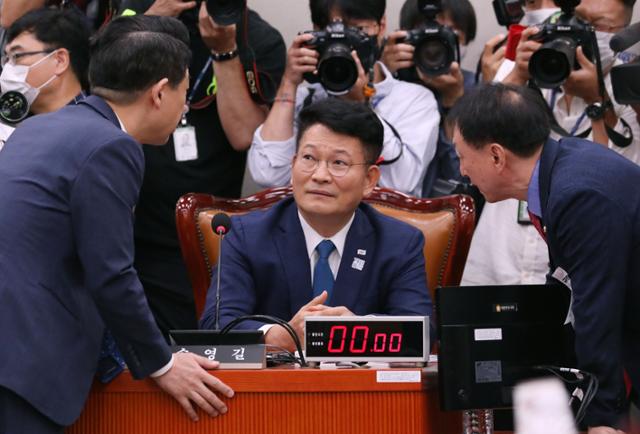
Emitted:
pixel 591 206
pixel 69 182
pixel 266 269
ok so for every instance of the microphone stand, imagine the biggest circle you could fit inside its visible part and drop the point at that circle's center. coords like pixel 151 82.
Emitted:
pixel 221 234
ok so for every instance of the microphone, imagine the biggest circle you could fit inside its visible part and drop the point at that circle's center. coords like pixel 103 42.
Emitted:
pixel 625 38
pixel 221 225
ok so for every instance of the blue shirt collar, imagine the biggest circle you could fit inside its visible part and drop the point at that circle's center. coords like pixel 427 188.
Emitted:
pixel 533 192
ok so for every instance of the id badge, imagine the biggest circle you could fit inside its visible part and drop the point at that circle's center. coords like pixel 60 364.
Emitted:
pixel 185 143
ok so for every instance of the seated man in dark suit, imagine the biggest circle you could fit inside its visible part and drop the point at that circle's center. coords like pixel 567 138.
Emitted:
pixel 585 202
pixel 323 252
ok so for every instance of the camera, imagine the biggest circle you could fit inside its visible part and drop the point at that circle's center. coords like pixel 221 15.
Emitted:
pixel 14 107
pixel 624 78
pixel 337 70
pixel 561 35
pixel 226 12
pixel 508 12
pixel 436 45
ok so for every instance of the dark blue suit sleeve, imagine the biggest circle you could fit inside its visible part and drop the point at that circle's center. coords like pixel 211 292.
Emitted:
pixel 594 244
pixel 408 293
pixel 237 287
pixel 102 211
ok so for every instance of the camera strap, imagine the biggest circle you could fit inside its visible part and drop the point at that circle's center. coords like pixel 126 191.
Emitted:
pixel 397 135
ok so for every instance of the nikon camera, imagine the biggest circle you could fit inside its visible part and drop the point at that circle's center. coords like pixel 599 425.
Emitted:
pixel 337 71
pixel 226 12
pixel 561 35
pixel 436 45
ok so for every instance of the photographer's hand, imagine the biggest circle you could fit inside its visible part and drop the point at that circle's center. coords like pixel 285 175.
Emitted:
pixel 526 48
pixel 397 55
pixel 300 59
pixel 583 82
pixel 492 58
pixel 220 39
pixel 169 8
pixel 357 91
pixel 450 86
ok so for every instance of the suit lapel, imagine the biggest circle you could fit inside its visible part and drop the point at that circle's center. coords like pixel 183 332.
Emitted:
pixel 346 290
pixel 292 249
pixel 100 105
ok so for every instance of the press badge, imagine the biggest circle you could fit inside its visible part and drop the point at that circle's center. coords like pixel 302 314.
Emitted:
pixel 185 143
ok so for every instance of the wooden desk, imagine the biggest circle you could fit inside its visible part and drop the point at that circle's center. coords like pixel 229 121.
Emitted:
pixel 282 401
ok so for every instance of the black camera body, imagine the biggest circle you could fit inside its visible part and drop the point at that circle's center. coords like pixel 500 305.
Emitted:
pixel 337 71
pixel 561 35
pixel 508 12
pixel 226 12
pixel 436 45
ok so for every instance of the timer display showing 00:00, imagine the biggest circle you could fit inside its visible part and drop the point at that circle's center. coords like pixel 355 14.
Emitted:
pixel 359 340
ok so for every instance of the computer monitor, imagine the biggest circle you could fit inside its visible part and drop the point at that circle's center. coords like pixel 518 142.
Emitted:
pixel 492 336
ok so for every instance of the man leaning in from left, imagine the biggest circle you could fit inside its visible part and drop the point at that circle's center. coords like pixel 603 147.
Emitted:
pixel 69 182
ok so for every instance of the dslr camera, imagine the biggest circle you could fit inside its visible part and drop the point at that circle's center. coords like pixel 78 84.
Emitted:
pixel 508 12
pixel 226 12
pixel 561 35
pixel 337 71
pixel 436 45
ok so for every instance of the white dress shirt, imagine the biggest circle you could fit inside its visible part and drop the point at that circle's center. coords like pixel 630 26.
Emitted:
pixel 410 108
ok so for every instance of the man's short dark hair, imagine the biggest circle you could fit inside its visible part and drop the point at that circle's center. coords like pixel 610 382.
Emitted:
pixel 461 13
pixel 320 12
pixel 362 9
pixel 130 62
pixel 58 29
pixel 516 117
pixel 349 118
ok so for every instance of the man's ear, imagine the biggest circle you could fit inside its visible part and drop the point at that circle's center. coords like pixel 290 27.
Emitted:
pixel 157 92
pixel 498 156
pixel 371 179
pixel 63 60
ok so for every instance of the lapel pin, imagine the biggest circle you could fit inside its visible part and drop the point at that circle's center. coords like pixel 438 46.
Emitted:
pixel 358 264
pixel 362 252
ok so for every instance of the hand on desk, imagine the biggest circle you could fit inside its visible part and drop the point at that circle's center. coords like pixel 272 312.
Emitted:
pixel 604 430
pixel 278 336
pixel 189 382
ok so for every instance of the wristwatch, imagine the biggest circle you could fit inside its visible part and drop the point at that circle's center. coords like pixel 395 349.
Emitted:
pixel 597 110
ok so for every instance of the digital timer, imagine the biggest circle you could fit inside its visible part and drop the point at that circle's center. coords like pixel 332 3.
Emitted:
pixel 367 338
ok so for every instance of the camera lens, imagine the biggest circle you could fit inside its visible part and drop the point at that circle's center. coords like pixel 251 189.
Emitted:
pixel 13 107
pixel 553 62
pixel 433 56
pixel 337 69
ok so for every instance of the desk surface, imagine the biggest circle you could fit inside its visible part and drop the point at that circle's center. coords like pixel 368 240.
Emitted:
pixel 280 401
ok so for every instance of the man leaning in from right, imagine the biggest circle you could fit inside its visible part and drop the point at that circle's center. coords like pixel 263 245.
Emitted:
pixel 585 202
pixel 69 182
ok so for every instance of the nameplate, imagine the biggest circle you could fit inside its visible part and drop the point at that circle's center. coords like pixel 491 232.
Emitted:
pixel 252 356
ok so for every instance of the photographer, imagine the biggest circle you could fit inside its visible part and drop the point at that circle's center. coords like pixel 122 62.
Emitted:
pixel 53 47
pixel 229 102
pixel 577 105
pixel 409 112
pixel 398 56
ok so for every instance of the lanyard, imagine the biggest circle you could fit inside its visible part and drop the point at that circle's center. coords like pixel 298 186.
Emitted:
pixel 552 105
pixel 196 84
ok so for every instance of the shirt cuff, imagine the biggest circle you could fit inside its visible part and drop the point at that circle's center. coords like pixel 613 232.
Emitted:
pixel 265 328
pixel 164 369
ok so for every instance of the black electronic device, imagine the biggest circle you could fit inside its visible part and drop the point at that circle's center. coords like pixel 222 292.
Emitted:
pixel 491 337
pixel 337 71
pixel 14 107
pixel 561 34
pixel 508 12
pixel 226 12
pixel 436 46
pixel 624 78
pixel 367 338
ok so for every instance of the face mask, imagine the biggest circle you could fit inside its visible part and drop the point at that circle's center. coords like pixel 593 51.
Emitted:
pixel 14 79
pixel 531 18
pixel 463 52
pixel 607 56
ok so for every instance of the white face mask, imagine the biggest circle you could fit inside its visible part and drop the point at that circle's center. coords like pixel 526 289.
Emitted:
pixel 531 18
pixel 14 78
pixel 607 56
pixel 463 52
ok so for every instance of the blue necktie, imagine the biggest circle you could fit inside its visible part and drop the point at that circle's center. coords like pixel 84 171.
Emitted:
pixel 322 276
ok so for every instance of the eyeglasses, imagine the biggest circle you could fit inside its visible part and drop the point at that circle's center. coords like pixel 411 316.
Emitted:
pixel 12 58
pixel 337 168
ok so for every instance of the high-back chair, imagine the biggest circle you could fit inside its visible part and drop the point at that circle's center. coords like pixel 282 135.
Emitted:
pixel 447 224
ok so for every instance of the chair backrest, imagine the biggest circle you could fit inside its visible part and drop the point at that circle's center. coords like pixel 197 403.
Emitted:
pixel 447 223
